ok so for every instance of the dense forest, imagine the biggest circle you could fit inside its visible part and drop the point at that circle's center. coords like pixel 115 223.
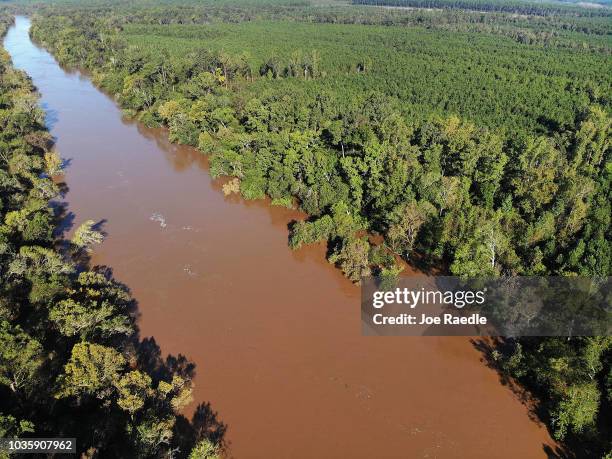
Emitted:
pixel 503 170
pixel 72 363
pixel 477 142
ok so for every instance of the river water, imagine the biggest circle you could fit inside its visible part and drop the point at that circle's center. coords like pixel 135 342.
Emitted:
pixel 275 334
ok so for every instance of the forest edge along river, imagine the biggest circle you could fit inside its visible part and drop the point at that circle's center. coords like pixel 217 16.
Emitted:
pixel 274 333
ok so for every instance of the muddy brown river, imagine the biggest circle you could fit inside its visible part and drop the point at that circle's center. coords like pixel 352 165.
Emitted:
pixel 275 334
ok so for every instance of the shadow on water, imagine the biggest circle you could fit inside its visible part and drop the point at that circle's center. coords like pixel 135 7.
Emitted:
pixel 51 115
pixel 66 162
pixel 205 423
pixel 556 453
pixel 64 219
pixel 569 448
pixel 488 347
pixel 99 227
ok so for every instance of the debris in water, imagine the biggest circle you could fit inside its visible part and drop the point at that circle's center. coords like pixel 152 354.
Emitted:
pixel 158 218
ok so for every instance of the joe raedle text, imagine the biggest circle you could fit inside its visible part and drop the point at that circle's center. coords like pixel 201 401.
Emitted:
pixel 502 306
pixel 424 319
pixel 424 310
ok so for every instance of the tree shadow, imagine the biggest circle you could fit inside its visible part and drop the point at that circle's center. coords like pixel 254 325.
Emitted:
pixel 572 447
pixel 64 219
pixel 107 272
pixel 66 162
pixel 488 347
pixel 556 452
pixel 547 125
pixel 422 263
pixel 99 226
pixel 63 189
pixel 204 425
pixel 51 115
pixel 151 360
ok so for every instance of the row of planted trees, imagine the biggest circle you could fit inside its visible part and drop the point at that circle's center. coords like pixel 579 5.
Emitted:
pixel 518 7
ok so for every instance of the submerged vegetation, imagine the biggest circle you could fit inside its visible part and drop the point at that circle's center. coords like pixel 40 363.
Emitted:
pixel 71 361
pixel 474 140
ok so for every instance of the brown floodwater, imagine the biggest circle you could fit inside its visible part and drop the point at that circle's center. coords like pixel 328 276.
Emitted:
pixel 275 334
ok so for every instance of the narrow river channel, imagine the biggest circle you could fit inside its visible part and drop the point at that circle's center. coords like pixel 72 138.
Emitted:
pixel 275 334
